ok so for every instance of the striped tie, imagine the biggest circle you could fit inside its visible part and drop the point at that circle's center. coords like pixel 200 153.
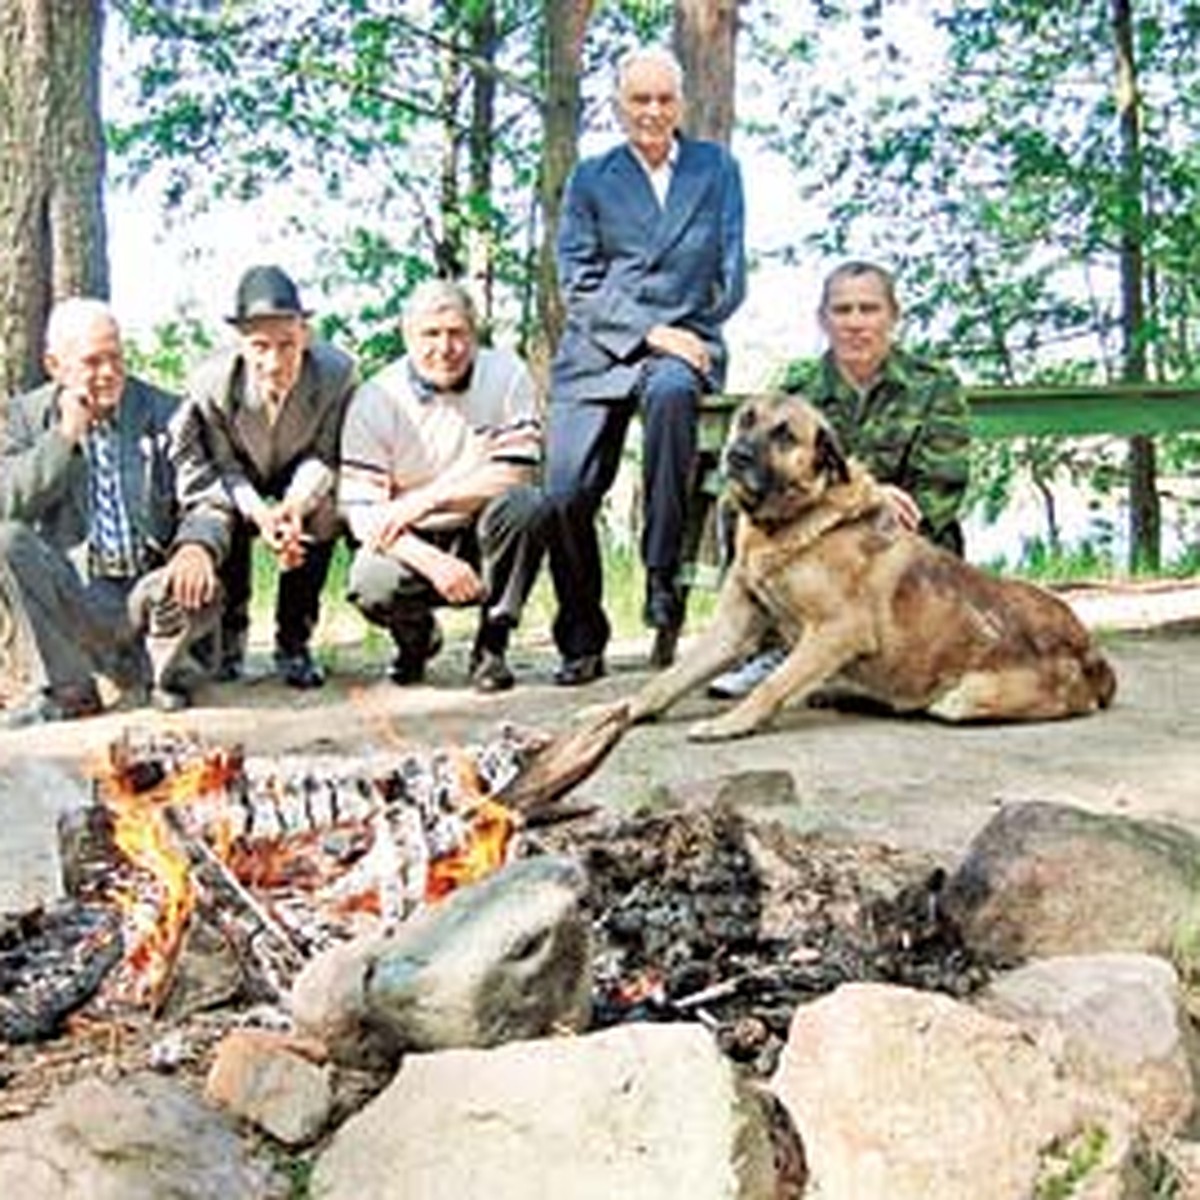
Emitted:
pixel 113 552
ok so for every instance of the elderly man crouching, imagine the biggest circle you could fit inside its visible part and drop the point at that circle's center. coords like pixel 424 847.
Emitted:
pixel 439 453
pixel 106 567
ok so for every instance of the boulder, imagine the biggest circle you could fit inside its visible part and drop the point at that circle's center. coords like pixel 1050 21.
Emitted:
pixel 646 1111
pixel 1117 1020
pixel 140 1139
pixel 277 1082
pixel 509 957
pixel 915 1096
pixel 1042 880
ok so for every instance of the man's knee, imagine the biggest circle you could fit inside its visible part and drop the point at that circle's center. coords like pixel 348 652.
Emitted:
pixel 670 381
pixel 377 583
pixel 520 509
pixel 18 544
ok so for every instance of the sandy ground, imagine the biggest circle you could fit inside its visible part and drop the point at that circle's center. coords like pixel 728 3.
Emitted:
pixel 909 782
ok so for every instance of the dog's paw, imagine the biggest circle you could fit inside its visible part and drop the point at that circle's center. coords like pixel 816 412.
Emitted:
pixel 718 729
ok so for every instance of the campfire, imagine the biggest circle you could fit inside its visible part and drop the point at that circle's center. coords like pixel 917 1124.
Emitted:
pixel 696 915
pixel 288 855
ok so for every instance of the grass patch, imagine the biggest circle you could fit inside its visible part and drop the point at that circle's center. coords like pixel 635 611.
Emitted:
pixel 344 635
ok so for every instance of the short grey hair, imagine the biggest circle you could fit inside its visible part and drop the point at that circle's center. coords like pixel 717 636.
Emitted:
pixel 434 295
pixel 72 316
pixel 658 55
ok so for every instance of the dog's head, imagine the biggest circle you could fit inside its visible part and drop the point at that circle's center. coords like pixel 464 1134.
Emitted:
pixel 781 458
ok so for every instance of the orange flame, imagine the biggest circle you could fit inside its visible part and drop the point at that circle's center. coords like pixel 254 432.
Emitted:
pixel 142 833
pixel 485 850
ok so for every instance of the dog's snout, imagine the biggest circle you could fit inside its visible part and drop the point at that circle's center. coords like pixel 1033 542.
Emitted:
pixel 739 455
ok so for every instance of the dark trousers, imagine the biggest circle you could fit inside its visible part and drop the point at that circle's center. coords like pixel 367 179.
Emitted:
pixel 504 545
pixel 583 453
pixel 297 602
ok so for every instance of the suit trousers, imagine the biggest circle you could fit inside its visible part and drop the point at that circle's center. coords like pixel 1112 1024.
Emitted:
pixel 297 602
pixel 585 444
pixel 504 544
pixel 71 630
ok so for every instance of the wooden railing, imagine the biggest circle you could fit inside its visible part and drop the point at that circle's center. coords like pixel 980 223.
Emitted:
pixel 1117 410
pixel 1120 410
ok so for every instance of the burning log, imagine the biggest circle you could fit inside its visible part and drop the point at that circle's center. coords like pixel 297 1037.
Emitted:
pixel 51 962
pixel 565 761
pixel 290 854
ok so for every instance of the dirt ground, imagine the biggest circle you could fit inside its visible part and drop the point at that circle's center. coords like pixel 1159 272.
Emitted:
pixel 909 782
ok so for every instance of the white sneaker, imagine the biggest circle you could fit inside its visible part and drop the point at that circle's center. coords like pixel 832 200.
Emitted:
pixel 747 675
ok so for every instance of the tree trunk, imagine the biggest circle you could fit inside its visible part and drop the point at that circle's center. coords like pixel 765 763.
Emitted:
pixel 1144 509
pixel 51 172
pixel 705 40
pixel 565 23
pixel 481 230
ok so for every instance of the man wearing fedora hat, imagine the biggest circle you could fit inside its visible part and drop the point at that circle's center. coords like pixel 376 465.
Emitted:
pixel 265 417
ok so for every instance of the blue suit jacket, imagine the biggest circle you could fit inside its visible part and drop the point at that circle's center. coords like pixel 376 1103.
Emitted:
pixel 625 264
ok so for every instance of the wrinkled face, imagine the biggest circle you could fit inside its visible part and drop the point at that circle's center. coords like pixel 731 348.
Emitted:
pixel 90 360
pixel 441 345
pixel 780 459
pixel 650 109
pixel 859 320
pixel 273 350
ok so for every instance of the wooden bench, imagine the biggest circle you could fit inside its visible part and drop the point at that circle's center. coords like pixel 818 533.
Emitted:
pixel 1114 410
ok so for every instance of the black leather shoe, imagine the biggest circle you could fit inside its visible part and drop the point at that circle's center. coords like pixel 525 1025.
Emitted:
pixel 491 673
pixel 298 669
pixel 574 672
pixel 409 665
pixel 230 670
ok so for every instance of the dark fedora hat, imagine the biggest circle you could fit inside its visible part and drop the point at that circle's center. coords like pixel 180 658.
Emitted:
pixel 266 292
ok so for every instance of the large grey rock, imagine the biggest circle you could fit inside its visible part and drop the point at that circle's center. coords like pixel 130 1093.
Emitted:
pixel 144 1138
pixel 913 1096
pixel 35 796
pixel 509 957
pixel 648 1112
pixel 1042 880
pixel 1117 1020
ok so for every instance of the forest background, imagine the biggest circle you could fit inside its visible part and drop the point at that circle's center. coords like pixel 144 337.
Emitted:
pixel 1031 172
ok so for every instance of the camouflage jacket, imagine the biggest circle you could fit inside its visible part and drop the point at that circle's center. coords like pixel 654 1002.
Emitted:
pixel 909 428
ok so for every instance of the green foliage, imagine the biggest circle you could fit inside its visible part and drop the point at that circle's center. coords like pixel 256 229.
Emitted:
pixel 366 122
pixel 1002 191
pixel 1067 1165
pixel 176 346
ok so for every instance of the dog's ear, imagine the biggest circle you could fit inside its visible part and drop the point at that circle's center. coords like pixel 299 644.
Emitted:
pixel 828 459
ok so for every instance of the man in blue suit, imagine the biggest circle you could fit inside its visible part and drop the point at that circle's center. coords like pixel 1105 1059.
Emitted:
pixel 651 263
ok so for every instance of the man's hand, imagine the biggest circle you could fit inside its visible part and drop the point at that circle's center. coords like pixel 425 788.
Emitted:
pixel 76 414
pixel 192 576
pixel 401 515
pixel 903 505
pixel 682 343
pixel 458 581
pixel 282 528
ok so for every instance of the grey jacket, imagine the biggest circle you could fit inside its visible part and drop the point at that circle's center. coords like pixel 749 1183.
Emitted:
pixel 44 477
pixel 625 264
pixel 254 458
